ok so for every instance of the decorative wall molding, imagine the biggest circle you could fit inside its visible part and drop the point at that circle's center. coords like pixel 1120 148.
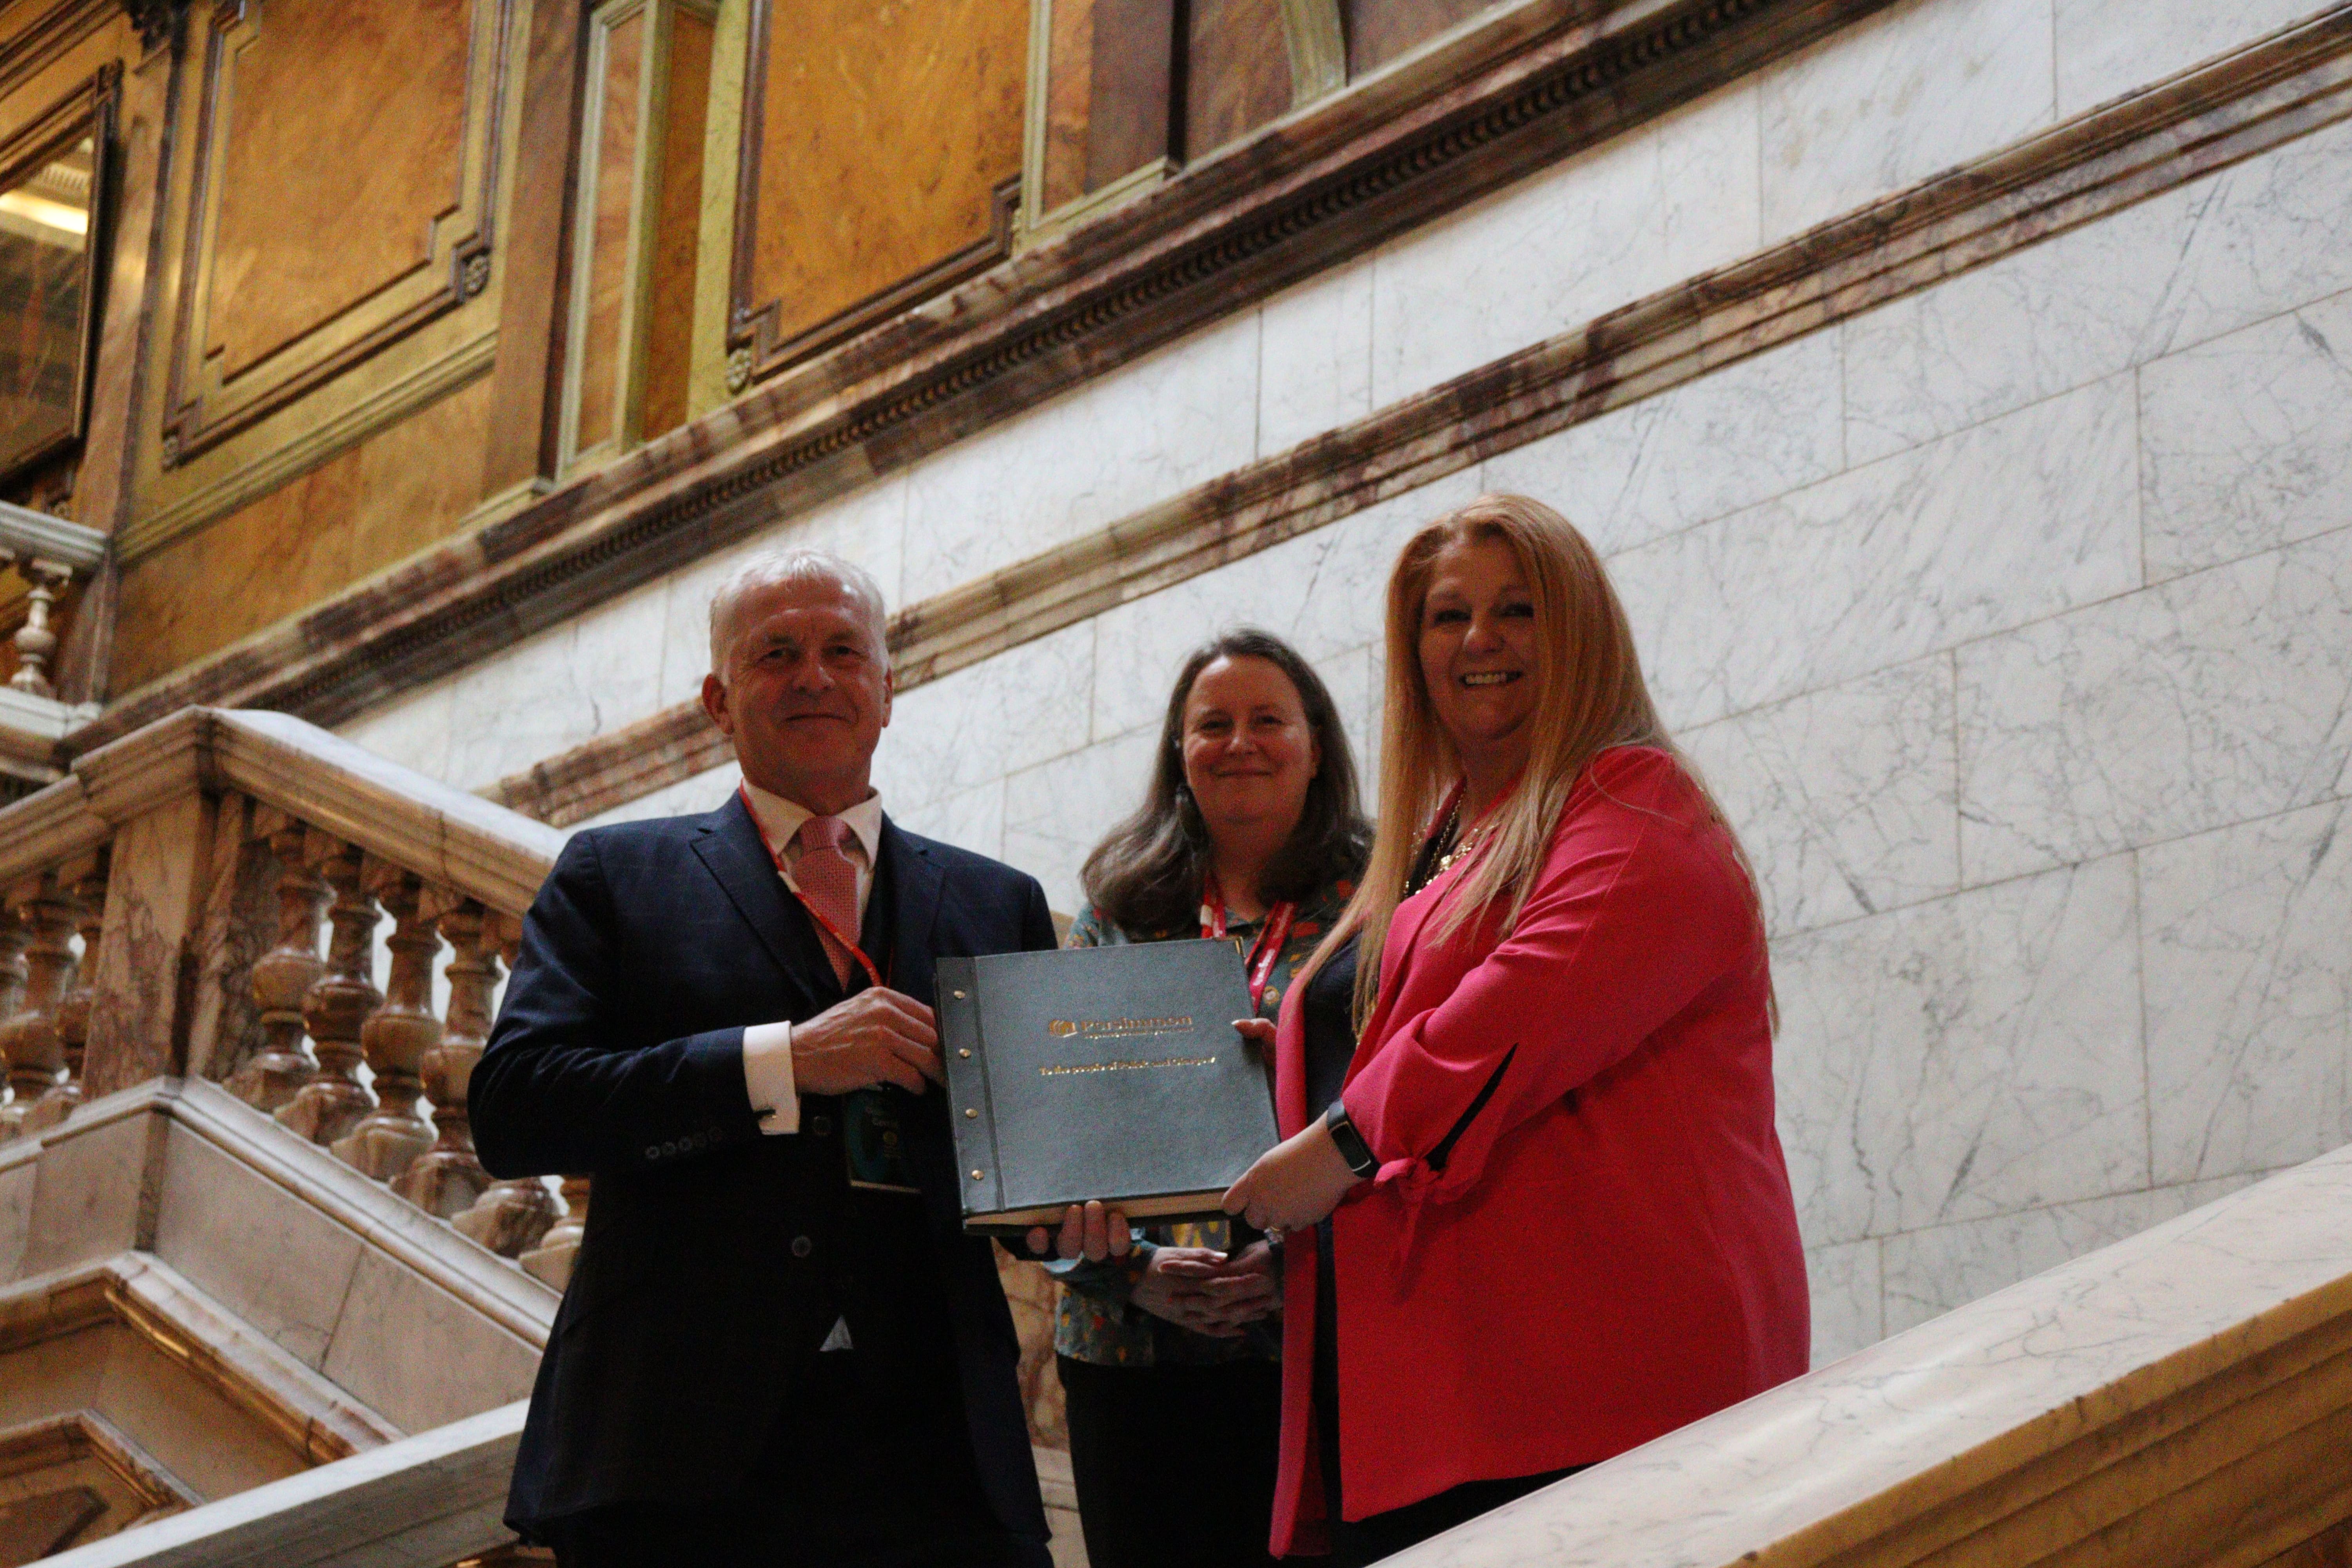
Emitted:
pixel 51 37
pixel 135 1290
pixel 52 1455
pixel 205 402
pixel 345 427
pixel 1472 113
pixel 2153 141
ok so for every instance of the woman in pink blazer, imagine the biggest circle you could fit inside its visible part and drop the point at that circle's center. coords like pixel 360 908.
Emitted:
pixel 1534 1142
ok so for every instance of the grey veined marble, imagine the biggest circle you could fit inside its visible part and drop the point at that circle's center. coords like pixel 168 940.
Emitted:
pixel 1965 1397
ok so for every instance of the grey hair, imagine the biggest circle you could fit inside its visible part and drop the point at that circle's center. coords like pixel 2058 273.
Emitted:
pixel 799 564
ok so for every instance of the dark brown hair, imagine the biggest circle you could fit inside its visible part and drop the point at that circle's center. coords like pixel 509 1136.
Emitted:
pixel 1146 875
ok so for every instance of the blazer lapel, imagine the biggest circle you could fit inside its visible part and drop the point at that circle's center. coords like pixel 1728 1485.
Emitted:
pixel 732 851
pixel 916 888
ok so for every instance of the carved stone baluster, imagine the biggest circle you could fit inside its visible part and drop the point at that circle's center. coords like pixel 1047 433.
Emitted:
pixel 282 977
pixel 36 1058
pixel 14 936
pixel 36 643
pixel 550 1261
pixel 510 1217
pixel 447 1178
pixel 73 1012
pixel 339 1002
pixel 389 1138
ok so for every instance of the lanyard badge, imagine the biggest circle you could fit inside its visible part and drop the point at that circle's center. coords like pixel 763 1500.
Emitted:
pixel 1260 960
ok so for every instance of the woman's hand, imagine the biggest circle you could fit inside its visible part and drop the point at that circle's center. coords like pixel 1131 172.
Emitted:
pixel 1088 1231
pixel 1296 1184
pixel 1208 1293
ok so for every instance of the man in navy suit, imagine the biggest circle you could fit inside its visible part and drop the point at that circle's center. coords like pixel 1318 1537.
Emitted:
pixel 778 1345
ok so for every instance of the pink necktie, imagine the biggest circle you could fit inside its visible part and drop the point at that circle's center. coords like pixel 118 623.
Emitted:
pixel 828 879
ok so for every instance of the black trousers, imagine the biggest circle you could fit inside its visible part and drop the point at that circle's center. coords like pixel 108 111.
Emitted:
pixel 845 1480
pixel 1174 1465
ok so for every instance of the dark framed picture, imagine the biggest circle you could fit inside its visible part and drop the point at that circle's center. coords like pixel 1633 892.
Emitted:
pixel 53 232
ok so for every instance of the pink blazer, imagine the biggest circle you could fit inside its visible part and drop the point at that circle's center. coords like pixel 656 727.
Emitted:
pixel 1609 1250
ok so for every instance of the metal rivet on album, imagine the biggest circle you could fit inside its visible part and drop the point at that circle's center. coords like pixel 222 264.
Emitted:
pixel 959 995
pixel 964 1053
pixel 971 1113
pixel 979 1176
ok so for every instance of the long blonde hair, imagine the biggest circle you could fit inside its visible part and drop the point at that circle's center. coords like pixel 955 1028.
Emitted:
pixel 1591 696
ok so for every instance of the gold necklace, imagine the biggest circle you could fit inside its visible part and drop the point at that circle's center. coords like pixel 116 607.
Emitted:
pixel 1470 841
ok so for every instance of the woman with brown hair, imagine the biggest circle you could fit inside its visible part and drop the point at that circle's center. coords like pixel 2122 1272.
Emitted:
pixel 1249 833
pixel 1552 1217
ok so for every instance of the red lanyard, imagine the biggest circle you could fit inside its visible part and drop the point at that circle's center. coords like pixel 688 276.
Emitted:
pixel 1270 937
pixel 873 975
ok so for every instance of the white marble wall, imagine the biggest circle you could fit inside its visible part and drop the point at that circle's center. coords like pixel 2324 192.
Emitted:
pixel 2012 621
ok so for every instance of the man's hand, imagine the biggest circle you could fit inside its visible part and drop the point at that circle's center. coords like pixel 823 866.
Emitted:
pixel 1209 1292
pixel 1091 1232
pixel 878 1037
pixel 1296 1184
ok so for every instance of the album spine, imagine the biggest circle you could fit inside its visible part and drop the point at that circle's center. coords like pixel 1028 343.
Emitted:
pixel 958 979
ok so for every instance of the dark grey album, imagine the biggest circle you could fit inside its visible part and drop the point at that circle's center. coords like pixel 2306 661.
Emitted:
pixel 1100 1072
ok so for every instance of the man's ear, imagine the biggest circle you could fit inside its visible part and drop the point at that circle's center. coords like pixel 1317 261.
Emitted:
pixel 889 691
pixel 714 702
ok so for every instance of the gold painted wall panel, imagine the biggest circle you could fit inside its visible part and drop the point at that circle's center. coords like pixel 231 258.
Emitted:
pixel 884 128
pixel 669 310
pixel 343 118
pixel 404 488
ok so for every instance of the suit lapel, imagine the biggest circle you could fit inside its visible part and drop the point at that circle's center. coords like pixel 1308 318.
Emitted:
pixel 916 880
pixel 732 850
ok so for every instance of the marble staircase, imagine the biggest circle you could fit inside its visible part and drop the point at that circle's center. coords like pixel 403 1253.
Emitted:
pixel 259 1299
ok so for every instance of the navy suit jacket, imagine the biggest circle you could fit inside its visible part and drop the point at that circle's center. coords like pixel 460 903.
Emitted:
pixel 618 1054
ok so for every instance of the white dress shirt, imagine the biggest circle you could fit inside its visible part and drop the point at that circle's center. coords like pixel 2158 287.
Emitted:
pixel 768 1047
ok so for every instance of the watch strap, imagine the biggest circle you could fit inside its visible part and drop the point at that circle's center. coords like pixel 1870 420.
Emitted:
pixel 1348 1141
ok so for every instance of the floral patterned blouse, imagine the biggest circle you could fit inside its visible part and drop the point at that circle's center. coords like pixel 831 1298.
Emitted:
pixel 1094 1319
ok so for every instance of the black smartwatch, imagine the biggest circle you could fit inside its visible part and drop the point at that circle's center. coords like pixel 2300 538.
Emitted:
pixel 1349 1142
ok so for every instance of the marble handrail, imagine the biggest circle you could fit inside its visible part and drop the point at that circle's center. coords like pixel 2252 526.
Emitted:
pixel 451 837
pixel 2181 1397
pixel 26 533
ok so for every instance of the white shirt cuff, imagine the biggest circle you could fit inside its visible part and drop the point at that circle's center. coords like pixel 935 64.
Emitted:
pixel 768 1075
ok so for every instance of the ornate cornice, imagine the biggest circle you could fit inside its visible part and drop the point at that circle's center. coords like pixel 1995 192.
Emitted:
pixel 1423 138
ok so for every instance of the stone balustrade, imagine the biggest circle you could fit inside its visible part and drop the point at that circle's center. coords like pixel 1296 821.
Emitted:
pixel 246 899
pixel 49 552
